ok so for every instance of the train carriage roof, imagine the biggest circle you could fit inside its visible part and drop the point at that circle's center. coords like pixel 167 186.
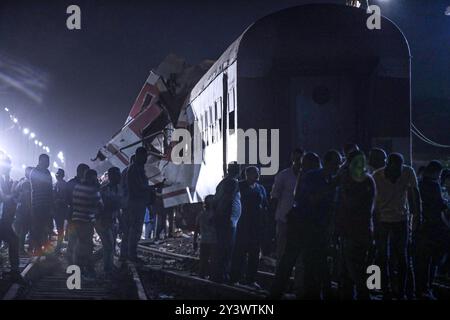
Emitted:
pixel 328 15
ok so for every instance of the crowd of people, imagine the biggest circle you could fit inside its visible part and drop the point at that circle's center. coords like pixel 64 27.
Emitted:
pixel 335 216
pixel 33 207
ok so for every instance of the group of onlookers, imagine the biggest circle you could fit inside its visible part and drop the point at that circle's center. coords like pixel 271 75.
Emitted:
pixel 335 216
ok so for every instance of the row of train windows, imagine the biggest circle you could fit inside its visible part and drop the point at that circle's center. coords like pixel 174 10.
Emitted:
pixel 211 122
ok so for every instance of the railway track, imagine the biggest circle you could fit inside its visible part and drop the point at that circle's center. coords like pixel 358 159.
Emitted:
pixel 26 266
pixel 265 279
pixel 183 275
pixel 46 279
pixel 184 285
pixel 164 275
pixel 191 262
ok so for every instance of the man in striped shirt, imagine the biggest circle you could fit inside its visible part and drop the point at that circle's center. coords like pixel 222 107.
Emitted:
pixel 86 202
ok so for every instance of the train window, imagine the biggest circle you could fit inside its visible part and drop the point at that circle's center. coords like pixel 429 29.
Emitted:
pixel 202 127
pixel 231 117
pixel 206 128
pixel 219 107
pixel 234 99
pixel 147 100
pixel 216 115
pixel 211 118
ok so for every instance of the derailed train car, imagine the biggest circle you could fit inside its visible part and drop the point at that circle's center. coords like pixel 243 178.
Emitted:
pixel 316 73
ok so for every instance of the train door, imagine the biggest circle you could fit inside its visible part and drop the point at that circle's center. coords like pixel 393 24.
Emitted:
pixel 325 112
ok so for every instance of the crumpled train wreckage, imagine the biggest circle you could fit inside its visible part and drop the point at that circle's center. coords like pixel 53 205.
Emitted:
pixel 158 109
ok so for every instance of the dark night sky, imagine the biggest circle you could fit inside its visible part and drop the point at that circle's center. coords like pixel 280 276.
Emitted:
pixel 95 74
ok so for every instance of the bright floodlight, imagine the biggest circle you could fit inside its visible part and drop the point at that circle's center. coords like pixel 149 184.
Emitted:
pixel 26 131
pixel 24 166
pixel 61 156
pixel 15 120
pixel 32 135
pixel 40 144
pixel 36 142
pixel 55 165
pixel 6 109
pixel 47 149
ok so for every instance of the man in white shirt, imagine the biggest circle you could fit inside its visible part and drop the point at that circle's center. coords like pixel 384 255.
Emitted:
pixel 397 202
pixel 282 198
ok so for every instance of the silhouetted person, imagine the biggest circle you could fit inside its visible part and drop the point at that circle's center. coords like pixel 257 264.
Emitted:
pixel 445 183
pixel 61 208
pixel 420 172
pixel 22 224
pixel 164 220
pixel 139 197
pixel 113 200
pixel 397 201
pixel 124 179
pixel 124 186
pixel 249 232
pixel 354 218
pixel 227 207
pixel 282 198
pixel 348 149
pixel 86 203
pixel 433 233
pixel 377 159
pixel 159 214
pixel 295 241
pixel 41 203
pixel 316 198
pixel 71 236
pixel 7 213
pixel 208 237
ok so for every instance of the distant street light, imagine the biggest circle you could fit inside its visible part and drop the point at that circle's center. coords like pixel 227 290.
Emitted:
pixel 32 135
pixel 40 144
pixel 26 131
pixel 36 142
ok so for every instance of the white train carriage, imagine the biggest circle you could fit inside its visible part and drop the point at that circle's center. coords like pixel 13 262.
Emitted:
pixel 316 73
